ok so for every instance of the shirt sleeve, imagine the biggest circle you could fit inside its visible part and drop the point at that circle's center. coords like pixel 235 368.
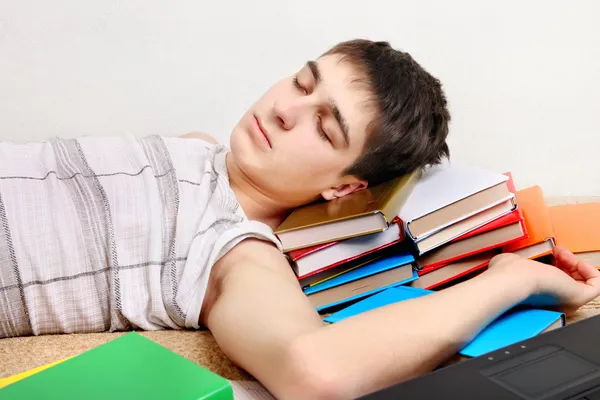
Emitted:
pixel 206 250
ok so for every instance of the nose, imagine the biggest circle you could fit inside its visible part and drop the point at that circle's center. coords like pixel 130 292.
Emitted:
pixel 286 114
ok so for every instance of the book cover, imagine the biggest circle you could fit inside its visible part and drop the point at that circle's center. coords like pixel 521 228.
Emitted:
pixel 372 268
pixel 432 278
pixel 298 254
pixel 515 215
pixel 343 252
pixel 505 220
pixel 129 367
pixel 448 234
pixel 342 268
pixel 577 228
pixel 540 240
pixel 499 232
pixel 242 389
pixel 365 211
pixel 512 327
pixel 445 184
pixel 362 288
pixel 383 298
pixel 487 241
pixel 25 374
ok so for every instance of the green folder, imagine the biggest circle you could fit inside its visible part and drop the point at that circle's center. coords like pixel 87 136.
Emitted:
pixel 129 367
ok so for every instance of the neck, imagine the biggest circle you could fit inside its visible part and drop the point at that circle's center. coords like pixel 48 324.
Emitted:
pixel 257 205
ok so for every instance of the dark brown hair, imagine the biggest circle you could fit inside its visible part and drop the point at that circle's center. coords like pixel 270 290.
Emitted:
pixel 411 124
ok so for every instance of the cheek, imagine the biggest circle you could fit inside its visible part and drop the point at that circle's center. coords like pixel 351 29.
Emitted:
pixel 308 147
pixel 305 152
pixel 313 165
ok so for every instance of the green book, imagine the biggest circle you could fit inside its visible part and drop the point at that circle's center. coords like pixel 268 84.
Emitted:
pixel 129 367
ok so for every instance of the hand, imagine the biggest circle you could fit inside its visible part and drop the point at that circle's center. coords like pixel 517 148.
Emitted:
pixel 568 285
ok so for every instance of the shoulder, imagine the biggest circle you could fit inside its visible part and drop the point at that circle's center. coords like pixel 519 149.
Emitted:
pixel 244 271
pixel 258 248
pixel 250 258
pixel 254 250
pixel 200 135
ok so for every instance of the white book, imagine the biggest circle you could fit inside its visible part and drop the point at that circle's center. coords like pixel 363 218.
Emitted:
pixel 445 184
pixel 345 250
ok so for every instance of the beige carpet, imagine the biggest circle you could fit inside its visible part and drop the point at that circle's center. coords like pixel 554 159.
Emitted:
pixel 21 354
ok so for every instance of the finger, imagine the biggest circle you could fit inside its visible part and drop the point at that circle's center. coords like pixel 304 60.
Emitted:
pixel 589 273
pixel 565 259
pixel 569 261
pixel 591 290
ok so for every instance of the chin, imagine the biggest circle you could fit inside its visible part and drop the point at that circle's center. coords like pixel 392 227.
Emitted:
pixel 245 155
pixel 241 147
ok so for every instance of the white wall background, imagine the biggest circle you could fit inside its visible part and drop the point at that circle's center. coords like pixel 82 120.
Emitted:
pixel 522 77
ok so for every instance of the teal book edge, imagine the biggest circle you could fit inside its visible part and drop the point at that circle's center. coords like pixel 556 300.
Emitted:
pixel 129 367
pixel 513 326
pixel 372 268
pixel 414 277
pixel 383 298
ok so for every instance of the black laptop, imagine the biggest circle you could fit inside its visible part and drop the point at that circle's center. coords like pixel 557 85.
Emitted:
pixel 560 364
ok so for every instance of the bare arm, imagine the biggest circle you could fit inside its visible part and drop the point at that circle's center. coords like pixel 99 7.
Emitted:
pixel 264 323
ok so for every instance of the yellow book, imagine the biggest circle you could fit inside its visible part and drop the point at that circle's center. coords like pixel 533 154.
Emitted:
pixel 12 379
pixel 343 272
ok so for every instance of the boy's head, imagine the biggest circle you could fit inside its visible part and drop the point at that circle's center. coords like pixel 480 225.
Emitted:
pixel 362 113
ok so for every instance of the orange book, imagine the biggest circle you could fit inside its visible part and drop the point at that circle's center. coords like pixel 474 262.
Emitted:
pixel 577 228
pixel 538 225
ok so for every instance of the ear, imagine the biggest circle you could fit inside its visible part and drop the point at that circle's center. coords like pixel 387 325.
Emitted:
pixel 344 189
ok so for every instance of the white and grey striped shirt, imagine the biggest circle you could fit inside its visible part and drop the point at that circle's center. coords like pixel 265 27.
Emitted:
pixel 113 233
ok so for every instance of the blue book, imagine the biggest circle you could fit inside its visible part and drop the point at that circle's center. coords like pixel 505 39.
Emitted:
pixel 362 288
pixel 513 326
pixel 383 298
pixel 372 268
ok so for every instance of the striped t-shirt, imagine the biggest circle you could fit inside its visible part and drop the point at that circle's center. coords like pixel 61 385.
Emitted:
pixel 113 233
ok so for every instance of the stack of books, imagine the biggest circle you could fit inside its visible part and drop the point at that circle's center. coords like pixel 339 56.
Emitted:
pixel 426 231
pixel 573 226
pixel 458 218
pixel 349 248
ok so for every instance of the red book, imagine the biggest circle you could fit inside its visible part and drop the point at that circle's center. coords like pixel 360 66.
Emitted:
pixel 295 255
pixel 495 234
pixel 514 216
pixel 309 262
pixel 453 271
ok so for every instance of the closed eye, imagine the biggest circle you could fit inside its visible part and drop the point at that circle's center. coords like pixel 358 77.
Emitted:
pixel 321 131
pixel 299 86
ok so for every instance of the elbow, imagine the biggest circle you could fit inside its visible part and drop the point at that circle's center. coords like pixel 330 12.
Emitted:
pixel 310 374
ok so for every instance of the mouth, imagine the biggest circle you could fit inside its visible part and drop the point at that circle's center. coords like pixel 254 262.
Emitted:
pixel 260 131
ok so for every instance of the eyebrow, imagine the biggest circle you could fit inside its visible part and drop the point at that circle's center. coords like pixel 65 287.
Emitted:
pixel 314 69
